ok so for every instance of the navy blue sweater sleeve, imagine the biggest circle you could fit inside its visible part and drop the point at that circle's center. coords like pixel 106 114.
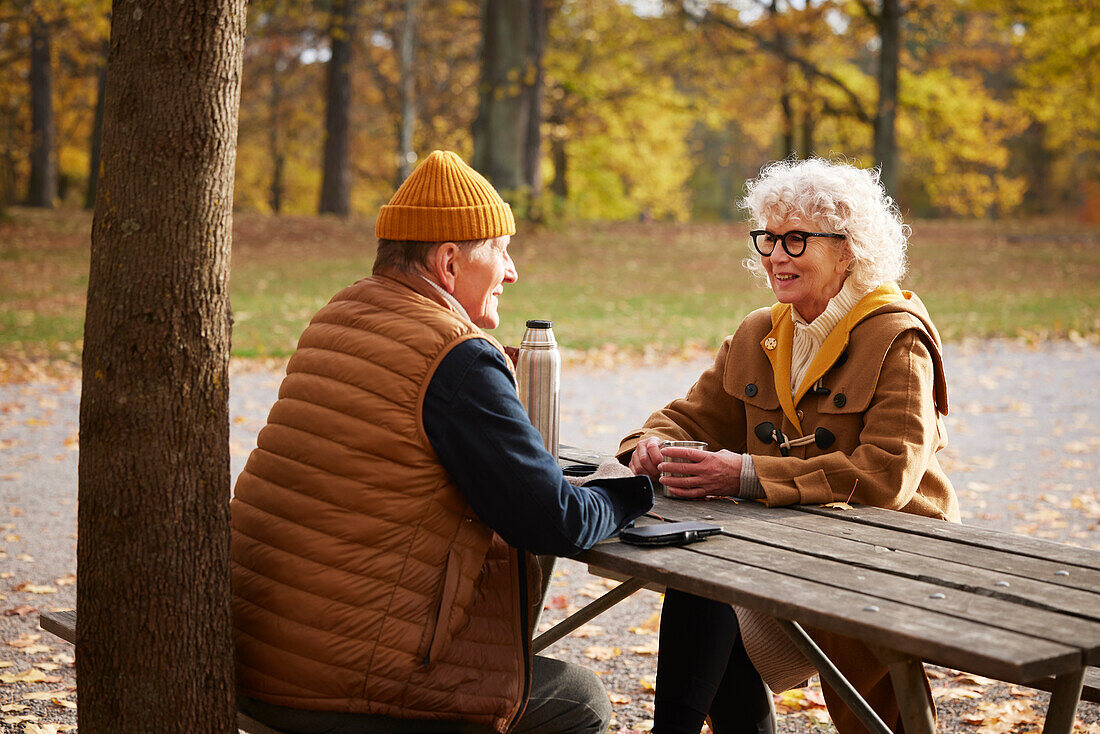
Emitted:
pixel 483 438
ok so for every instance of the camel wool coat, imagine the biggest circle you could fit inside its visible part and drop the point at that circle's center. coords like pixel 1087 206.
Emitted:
pixel 877 389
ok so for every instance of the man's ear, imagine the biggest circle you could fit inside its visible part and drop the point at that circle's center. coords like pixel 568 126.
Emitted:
pixel 444 265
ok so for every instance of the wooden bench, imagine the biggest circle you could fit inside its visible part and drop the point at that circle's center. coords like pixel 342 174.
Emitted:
pixel 63 624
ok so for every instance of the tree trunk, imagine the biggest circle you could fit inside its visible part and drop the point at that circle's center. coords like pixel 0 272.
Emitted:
pixel 533 94
pixel 275 138
pixel 559 186
pixel 7 163
pixel 500 129
pixel 96 140
pixel 42 188
pixel 406 155
pixel 336 175
pixel 886 152
pixel 153 602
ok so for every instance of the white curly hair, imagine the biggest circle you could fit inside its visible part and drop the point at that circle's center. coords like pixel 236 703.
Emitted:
pixel 836 197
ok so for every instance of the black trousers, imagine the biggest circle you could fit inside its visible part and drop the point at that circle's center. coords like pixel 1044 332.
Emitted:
pixel 703 670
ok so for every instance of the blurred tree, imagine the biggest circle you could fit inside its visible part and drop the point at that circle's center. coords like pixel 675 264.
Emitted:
pixel 406 154
pixel 153 624
pixel 500 131
pixel 1057 80
pixel 278 165
pixel 42 187
pixel 336 171
pixel 96 138
pixel 618 122
pixel 45 138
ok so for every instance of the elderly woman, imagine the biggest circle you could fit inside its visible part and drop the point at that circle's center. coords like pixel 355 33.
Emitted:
pixel 834 393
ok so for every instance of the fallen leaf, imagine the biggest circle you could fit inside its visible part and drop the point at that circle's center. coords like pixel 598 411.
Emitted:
pixel 34 588
pixel 19 611
pixel 25 640
pixel 45 695
pixel 649 627
pixel 43 728
pixel 838 506
pixel 20 719
pixel 647 649
pixel 66 580
pixel 30 675
pixel 602 652
pixel 619 699
pixel 587 630
pixel 9 707
pixel 561 601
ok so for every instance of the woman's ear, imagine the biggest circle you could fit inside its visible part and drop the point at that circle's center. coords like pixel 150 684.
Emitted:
pixel 444 265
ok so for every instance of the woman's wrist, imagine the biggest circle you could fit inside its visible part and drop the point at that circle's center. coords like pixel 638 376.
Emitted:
pixel 750 483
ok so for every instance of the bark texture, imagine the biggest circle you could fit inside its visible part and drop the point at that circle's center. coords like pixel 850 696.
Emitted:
pixel 153 630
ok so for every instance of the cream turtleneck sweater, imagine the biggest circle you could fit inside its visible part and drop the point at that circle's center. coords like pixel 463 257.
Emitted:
pixel 809 336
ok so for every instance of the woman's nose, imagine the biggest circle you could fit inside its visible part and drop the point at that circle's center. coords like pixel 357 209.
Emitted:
pixel 779 254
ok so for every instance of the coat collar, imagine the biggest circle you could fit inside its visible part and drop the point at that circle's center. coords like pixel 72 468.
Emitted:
pixel 781 339
pixel 428 289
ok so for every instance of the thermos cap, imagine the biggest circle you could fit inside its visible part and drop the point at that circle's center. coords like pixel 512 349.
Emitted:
pixel 539 324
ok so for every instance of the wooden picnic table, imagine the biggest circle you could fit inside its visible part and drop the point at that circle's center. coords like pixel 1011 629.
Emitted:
pixel 1004 606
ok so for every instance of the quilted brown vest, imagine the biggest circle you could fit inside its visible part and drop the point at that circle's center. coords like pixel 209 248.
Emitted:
pixel 362 580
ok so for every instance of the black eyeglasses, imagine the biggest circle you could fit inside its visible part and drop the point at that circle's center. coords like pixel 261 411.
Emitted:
pixel 794 242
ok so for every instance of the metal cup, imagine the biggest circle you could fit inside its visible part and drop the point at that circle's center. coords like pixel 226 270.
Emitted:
pixel 700 445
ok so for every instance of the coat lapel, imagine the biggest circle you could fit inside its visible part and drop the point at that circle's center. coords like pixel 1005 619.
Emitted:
pixel 780 340
pixel 837 339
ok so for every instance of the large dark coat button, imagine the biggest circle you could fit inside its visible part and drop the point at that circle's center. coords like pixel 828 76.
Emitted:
pixel 750 390
pixel 839 400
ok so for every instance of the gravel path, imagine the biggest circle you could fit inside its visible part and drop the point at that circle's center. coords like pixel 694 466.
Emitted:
pixel 1025 446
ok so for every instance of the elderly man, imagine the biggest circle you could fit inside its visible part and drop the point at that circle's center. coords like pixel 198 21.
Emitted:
pixel 383 529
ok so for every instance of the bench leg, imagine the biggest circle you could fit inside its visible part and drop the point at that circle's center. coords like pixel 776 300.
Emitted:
pixel 1062 709
pixel 834 677
pixel 586 613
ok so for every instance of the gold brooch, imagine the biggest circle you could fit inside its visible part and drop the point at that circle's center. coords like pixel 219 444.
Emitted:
pixel 770 343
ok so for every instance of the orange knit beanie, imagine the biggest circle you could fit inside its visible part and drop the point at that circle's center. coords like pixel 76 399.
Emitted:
pixel 444 200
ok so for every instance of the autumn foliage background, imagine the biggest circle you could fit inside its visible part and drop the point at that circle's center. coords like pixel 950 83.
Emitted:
pixel 650 109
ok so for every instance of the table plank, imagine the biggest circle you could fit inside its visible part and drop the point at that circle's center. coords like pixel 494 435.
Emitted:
pixel 900 577
pixel 825 537
pixel 1002 560
pixel 1047 550
pixel 712 569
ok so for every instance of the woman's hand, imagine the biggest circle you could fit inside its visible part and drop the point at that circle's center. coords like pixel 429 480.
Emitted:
pixel 709 473
pixel 646 457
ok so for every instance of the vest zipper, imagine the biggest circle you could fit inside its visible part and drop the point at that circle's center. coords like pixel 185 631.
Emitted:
pixel 525 637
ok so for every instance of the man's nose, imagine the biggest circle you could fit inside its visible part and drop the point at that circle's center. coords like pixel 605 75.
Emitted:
pixel 510 274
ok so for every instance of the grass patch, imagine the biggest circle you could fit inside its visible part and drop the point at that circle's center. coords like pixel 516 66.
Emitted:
pixel 628 287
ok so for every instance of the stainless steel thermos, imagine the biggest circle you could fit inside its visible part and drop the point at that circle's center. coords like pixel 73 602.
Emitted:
pixel 538 379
